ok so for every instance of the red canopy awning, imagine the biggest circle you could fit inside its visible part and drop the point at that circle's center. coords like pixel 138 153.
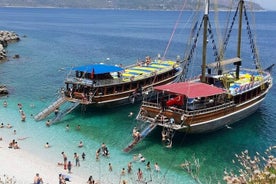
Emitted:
pixel 190 89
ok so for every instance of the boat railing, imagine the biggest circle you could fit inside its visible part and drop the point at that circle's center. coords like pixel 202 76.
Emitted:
pixel 150 104
pixel 210 109
pixel 90 82
pixel 249 86
pixel 191 112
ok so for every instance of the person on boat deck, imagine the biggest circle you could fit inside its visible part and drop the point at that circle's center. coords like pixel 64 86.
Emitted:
pixel 172 121
pixel 163 104
pixel 148 61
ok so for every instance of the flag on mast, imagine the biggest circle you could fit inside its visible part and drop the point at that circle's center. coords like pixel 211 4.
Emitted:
pixel 92 74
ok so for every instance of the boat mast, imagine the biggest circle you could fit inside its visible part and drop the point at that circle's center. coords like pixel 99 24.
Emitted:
pixel 238 64
pixel 205 19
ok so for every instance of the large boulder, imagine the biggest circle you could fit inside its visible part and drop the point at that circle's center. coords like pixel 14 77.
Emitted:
pixel 5 38
pixel 3 90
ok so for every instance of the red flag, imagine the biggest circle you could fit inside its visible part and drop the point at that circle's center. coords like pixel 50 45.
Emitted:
pixel 92 74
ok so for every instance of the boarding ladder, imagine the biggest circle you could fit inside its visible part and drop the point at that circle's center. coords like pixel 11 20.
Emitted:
pixel 43 114
pixel 143 134
pixel 60 115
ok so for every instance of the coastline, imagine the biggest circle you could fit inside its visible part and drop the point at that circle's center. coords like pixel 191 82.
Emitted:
pixel 24 165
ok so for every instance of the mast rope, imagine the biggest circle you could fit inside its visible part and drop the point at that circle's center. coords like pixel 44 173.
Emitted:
pixel 230 30
pixel 252 42
pixel 174 29
pixel 190 55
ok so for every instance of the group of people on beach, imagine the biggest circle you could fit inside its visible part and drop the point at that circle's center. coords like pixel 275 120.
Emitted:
pixel 13 144
pixel 101 151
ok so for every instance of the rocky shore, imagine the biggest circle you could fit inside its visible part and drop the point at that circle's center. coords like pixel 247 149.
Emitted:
pixel 6 37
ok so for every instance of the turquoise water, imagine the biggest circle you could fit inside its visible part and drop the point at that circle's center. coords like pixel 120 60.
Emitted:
pixel 60 38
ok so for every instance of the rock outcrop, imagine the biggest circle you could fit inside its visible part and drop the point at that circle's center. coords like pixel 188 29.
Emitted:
pixel 3 90
pixel 6 37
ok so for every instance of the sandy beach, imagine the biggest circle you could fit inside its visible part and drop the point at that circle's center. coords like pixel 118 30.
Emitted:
pixel 24 165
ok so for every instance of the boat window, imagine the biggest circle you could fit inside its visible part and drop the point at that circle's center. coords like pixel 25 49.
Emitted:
pixel 127 87
pixel 110 90
pixel 119 88
pixel 134 85
pixel 100 91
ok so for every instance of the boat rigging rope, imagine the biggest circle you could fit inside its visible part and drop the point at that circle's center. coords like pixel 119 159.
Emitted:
pixel 252 42
pixel 174 29
pixel 221 47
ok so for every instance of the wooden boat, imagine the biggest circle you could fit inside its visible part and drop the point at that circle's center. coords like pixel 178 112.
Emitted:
pixel 109 85
pixel 216 98
pixel 101 84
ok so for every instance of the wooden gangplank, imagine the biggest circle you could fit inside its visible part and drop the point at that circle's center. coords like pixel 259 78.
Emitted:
pixel 60 115
pixel 43 114
pixel 143 134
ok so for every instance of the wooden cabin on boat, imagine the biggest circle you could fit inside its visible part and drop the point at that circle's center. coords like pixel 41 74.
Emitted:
pixel 104 84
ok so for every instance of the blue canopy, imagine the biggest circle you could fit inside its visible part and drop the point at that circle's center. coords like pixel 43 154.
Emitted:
pixel 98 68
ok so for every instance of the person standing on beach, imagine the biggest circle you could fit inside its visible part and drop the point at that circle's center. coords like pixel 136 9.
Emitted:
pixel 61 179
pixel 64 160
pixel 90 180
pixel 69 166
pixel 77 159
pixel 37 179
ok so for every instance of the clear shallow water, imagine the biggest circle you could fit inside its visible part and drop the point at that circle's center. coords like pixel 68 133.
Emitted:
pixel 60 38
